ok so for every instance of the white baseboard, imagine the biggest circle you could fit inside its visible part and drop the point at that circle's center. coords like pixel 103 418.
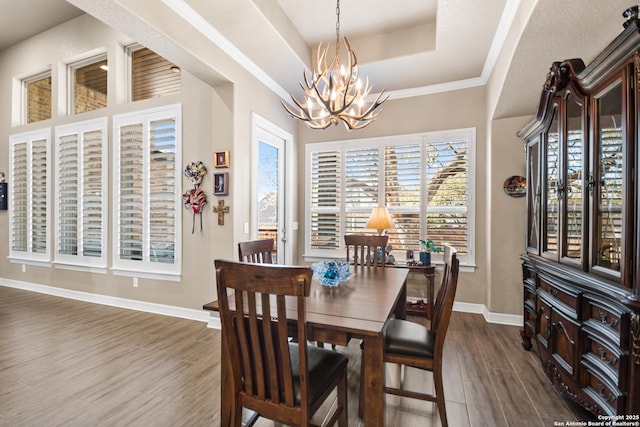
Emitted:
pixel 490 317
pixel 149 307
pixel 211 318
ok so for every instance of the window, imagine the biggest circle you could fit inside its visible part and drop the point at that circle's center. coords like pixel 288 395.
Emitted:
pixel 37 97
pixel 81 189
pixel 89 84
pixel 147 192
pixel 424 180
pixel 30 196
pixel 152 75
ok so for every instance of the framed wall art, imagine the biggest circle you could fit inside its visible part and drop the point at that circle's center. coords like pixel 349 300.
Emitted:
pixel 221 184
pixel 221 159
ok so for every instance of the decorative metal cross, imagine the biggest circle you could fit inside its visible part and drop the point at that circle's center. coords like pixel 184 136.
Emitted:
pixel 221 209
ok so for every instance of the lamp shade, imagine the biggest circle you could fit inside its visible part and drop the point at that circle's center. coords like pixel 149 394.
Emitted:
pixel 380 219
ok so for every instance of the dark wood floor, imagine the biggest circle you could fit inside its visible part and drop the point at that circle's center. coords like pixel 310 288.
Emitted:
pixel 70 363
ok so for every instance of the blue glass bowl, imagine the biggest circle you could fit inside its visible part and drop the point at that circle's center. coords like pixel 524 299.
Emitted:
pixel 331 273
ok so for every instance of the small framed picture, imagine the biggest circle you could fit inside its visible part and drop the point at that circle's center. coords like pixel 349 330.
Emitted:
pixel 221 184
pixel 221 159
pixel 409 255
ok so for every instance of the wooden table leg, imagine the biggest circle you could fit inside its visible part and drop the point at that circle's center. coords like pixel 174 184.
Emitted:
pixel 373 378
pixel 401 305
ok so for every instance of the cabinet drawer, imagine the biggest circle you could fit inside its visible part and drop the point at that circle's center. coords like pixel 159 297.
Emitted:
pixel 570 298
pixel 606 319
pixel 602 390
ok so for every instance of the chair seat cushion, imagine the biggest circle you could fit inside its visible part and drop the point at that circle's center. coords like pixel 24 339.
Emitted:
pixel 324 367
pixel 408 338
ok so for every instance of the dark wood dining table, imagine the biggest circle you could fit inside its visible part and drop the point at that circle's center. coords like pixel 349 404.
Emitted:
pixel 356 308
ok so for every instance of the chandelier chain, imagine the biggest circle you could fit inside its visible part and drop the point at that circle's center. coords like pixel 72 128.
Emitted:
pixel 337 28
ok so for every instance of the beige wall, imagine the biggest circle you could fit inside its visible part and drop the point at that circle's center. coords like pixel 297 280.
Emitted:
pixel 217 116
pixel 214 118
pixel 450 110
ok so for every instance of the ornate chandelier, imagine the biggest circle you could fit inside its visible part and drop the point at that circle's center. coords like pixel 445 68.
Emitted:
pixel 335 93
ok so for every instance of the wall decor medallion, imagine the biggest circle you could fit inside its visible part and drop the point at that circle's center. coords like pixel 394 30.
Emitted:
pixel 515 186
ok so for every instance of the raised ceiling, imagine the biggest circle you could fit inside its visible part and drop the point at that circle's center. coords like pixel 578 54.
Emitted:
pixel 408 47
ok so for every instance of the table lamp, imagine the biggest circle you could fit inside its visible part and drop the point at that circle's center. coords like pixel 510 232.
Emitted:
pixel 380 219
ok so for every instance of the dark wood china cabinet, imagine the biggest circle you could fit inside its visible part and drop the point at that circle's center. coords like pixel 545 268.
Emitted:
pixel 581 267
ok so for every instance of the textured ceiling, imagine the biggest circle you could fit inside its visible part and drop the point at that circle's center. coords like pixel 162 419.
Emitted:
pixel 408 47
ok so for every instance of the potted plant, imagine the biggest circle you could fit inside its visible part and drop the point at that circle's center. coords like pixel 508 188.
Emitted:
pixel 427 247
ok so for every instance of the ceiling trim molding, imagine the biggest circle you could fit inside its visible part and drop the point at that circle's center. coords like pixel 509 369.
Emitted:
pixel 506 20
pixel 186 12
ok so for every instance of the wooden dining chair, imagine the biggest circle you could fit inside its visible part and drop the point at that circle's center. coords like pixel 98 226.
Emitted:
pixel 278 379
pixel 366 250
pixel 411 344
pixel 256 251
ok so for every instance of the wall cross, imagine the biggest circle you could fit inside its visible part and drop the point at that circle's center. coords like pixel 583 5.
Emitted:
pixel 221 209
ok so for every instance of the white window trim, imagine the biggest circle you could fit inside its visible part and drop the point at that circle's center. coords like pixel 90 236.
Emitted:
pixel 24 102
pixel 144 268
pixel 28 257
pixel 71 68
pixel 72 261
pixel 467 262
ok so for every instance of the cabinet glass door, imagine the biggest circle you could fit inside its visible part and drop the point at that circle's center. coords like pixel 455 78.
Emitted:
pixel 574 181
pixel 533 195
pixel 551 205
pixel 609 181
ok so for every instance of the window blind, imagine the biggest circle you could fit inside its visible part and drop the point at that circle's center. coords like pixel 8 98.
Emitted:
pixel 148 197
pixel 81 183
pixel 325 200
pixel 30 200
pixel 423 180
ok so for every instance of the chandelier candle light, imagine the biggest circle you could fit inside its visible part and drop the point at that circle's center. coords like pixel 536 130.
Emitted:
pixel 335 93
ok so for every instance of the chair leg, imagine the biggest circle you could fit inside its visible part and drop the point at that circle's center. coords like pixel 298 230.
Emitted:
pixel 437 379
pixel 361 396
pixel 343 421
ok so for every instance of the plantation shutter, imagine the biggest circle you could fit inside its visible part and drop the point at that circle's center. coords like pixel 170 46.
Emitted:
pixel 148 192
pixel 81 187
pixel 402 188
pixel 325 200
pixel 447 220
pixel 94 194
pixel 30 189
pixel 68 192
pixel 39 199
pixel 131 197
pixel 162 186
pixel 19 197
pixel 361 186
pixel 422 180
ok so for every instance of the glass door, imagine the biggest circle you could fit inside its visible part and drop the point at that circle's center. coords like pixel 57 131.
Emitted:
pixel 574 179
pixel 608 185
pixel 269 196
pixel 553 187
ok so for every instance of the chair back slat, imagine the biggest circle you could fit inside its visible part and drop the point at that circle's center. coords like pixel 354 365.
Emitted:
pixel 256 251
pixel 363 250
pixel 446 295
pixel 255 327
